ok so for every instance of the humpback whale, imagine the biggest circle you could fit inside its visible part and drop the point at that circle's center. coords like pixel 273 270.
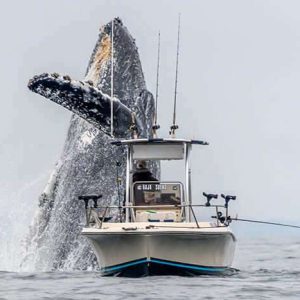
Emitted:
pixel 89 162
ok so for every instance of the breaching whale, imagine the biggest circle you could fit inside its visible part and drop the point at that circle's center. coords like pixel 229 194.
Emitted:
pixel 88 163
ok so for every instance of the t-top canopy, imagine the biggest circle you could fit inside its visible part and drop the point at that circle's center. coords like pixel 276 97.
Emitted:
pixel 158 149
pixel 158 141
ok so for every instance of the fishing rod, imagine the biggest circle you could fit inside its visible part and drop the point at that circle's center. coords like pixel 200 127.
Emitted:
pixel 174 126
pixel 119 181
pixel 112 81
pixel 155 127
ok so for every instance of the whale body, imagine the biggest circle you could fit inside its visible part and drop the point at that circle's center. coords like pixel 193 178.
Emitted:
pixel 88 163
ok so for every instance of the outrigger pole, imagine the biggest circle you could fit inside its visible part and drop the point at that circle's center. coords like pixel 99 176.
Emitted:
pixel 155 127
pixel 112 81
pixel 174 126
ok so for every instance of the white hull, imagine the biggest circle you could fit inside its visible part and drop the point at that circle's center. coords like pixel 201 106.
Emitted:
pixel 135 247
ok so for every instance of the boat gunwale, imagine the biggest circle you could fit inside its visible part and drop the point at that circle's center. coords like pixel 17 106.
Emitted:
pixel 148 232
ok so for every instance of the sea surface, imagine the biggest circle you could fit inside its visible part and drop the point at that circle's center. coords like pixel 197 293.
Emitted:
pixel 269 268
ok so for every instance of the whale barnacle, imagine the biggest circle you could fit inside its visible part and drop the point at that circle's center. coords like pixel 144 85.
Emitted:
pixel 90 82
pixel 67 77
pixel 30 82
pixel 55 75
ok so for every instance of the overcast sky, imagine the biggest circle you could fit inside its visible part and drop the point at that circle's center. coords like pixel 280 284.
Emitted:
pixel 238 89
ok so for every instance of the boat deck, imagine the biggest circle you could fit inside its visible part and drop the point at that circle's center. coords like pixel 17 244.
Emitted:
pixel 159 227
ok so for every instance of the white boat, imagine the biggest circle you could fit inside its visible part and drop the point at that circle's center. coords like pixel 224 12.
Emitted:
pixel 157 231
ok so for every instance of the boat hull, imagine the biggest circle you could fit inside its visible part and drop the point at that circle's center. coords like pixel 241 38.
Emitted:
pixel 155 267
pixel 141 252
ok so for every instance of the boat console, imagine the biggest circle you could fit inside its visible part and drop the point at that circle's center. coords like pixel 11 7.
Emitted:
pixel 157 201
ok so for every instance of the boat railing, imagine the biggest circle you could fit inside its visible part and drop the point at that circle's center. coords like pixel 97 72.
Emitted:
pixel 97 215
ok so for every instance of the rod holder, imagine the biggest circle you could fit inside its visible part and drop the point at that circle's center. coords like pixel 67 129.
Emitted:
pixel 227 199
pixel 209 197
pixel 172 131
pixel 155 127
pixel 133 127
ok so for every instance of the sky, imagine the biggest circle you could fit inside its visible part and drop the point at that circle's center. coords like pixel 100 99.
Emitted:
pixel 238 89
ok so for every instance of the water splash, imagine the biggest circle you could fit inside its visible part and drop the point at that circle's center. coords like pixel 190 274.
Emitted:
pixel 16 215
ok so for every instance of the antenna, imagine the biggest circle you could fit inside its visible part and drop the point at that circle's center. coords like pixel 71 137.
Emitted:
pixel 174 126
pixel 156 126
pixel 112 81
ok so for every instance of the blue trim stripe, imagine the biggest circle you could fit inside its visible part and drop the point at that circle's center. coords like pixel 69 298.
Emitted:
pixel 180 265
pixel 125 265
pixel 163 262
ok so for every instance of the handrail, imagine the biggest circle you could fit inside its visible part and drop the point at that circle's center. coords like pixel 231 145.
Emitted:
pixel 220 219
pixel 159 206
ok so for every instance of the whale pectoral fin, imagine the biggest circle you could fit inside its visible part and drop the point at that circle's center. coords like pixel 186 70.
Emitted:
pixel 84 100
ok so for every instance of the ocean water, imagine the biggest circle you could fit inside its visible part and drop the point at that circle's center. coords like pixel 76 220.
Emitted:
pixel 269 268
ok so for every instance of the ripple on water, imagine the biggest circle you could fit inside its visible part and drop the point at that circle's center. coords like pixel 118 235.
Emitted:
pixel 264 274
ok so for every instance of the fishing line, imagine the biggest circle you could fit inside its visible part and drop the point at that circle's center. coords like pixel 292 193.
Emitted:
pixel 264 222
